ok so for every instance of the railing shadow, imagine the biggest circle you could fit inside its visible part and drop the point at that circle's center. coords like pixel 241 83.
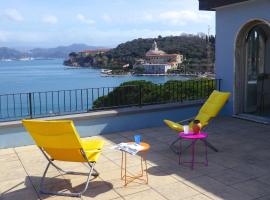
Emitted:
pixel 205 179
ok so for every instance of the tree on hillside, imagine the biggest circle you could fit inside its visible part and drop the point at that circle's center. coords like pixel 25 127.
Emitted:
pixel 192 47
pixel 145 92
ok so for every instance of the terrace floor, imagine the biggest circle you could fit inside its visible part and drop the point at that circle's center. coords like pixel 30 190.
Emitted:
pixel 240 170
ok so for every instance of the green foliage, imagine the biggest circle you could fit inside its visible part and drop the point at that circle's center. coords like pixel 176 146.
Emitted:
pixel 73 54
pixel 146 92
pixel 193 47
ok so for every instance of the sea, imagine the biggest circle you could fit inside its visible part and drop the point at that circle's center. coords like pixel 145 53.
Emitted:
pixel 48 75
pixel 55 89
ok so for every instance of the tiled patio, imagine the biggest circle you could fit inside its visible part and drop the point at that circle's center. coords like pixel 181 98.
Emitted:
pixel 240 171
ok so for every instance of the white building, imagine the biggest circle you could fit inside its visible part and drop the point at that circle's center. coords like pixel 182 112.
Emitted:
pixel 156 68
pixel 158 62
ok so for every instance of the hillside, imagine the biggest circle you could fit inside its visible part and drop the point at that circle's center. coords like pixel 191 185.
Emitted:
pixel 8 53
pixel 193 47
pixel 57 52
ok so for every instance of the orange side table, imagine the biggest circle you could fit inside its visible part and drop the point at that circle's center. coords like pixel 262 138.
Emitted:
pixel 143 155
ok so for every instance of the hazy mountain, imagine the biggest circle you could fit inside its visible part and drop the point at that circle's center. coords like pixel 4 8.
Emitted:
pixel 8 53
pixel 57 52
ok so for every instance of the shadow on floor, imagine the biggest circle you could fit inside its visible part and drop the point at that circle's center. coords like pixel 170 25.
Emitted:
pixel 237 171
pixel 54 184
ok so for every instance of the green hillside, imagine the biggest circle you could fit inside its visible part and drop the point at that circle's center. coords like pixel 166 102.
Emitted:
pixel 193 47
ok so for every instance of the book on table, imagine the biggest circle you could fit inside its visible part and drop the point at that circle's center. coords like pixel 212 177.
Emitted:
pixel 131 148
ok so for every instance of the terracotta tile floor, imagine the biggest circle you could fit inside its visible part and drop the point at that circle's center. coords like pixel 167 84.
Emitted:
pixel 240 170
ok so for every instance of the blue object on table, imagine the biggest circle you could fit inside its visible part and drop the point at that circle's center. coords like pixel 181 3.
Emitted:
pixel 137 139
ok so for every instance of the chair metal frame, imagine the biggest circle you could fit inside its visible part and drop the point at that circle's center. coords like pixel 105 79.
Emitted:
pixel 175 149
pixel 92 172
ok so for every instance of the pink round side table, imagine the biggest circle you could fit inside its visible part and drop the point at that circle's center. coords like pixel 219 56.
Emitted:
pixel 194 138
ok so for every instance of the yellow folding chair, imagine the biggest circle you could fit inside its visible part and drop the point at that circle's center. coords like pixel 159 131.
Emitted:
pixel 59 140
pixel 208 111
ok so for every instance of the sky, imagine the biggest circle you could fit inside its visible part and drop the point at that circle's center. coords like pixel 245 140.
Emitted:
pixel 50 23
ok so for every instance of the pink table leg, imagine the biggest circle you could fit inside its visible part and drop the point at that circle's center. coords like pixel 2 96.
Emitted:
pixel 206 156
pixel 193 154
pixel 193 138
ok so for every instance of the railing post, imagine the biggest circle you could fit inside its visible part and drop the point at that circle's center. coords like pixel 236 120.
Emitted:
pixel 181 93
pixel 140 95
pixel 30 105
pixel 87 105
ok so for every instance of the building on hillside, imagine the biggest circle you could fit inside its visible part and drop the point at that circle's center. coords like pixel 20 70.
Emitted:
pixel 156 68
pixel 156 56
pixel 158 62
pixel 92 52
pixel 139 61
pixel 243 55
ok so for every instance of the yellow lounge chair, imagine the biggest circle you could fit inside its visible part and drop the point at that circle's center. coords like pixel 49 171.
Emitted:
pixel 209 110
pixel 59 140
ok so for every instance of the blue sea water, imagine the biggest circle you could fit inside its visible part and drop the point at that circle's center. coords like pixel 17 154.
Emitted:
pixel 39 76
pixel 47 75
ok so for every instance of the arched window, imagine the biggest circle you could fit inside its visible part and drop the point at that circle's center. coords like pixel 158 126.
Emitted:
pixel 255 45
pixel 252 69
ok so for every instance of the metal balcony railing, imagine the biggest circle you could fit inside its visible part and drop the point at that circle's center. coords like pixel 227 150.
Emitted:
pixel 62 102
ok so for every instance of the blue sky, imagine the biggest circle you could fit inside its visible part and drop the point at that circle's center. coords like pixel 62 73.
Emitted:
pixel 49 23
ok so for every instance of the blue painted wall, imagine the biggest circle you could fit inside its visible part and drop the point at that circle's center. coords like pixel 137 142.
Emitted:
pixel 229 20
pixel 12 137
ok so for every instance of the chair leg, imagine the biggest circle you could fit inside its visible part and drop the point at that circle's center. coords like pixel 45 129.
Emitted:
pixel 95 173
pixel 211 146
pixel 43 177
pixel 88 179
pixel 173 148
pixel 187 147
pixel 71 194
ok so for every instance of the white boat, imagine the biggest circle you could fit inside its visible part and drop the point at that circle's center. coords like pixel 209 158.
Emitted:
pixel 26 59
pixel 106 71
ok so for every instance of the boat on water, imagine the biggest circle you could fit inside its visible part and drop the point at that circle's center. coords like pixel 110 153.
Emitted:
pixel 26 59
pixel 106 71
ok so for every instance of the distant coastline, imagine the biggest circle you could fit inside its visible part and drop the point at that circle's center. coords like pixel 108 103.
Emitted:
pixel 60 52
pixel 25 59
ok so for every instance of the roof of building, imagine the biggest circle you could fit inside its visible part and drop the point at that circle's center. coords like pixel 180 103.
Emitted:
pixel 212 4
pixel 157 64
pixel 94 51
pixel 161 55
